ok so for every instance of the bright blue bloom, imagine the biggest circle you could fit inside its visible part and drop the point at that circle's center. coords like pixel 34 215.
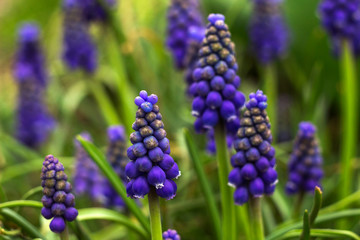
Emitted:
pixel 216 98
pixel 58 201
pixel 151 165
pixel 34 123
pixel 305 165
pixel 268 31
pixel 254 162
pixel 171 235
pixel 182 16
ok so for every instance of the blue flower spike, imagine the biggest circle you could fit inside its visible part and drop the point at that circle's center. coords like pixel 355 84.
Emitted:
pixel 305 165
pixel 171 234
pixel 58 201
pixel 151 165
pixel 254 171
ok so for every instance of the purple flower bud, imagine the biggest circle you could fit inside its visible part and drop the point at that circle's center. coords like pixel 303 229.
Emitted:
pixel 228 111
pixel 173 172
pixel 156 177
pixel 229 91
pixel 46 212
pixel 270 176
pixel 167 191
pixel 235 178
pixel 140 187
pixel 210 118
pixel 142 164
pixel 156 154
pixel 198 106
pixel 238 160
pixel 256 187
pixel 213 100
pixel 166 163
pixel 139 149
pixel 248 172
pixel 241 195
pixel 131 170
pixel 70 214
pixel 262 164
pixel 171 235
pixel 252 154
pixel 57 225
pixel 164 144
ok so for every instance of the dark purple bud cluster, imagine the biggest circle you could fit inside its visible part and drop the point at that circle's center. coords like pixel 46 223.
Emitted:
pixel 171 235
pixel 341 19
pixel 117 157
pixel 254 162
pixel 79 50
pixel 305 165
pixel 87 177
pixel 93 11
pixel 182 15
pixel 151 166
pixel 215 88
pixel 58 201
pixel 268 31
pixel 196 35
pixel 34 122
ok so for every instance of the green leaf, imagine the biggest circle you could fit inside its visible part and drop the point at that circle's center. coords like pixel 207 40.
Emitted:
pixel 342 204
pixel 305 235
pixel 21 203
pixel 26 227
pixel 116 182
pixel 323 233
pixel 204 183
pixel 107 214
pixel 317 205
pixel 32 192
pixel 320 219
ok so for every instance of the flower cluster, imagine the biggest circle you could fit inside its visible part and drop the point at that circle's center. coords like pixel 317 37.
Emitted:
pixel 215 88
pixel 87 177
pixel 196 35
pixel 268 32
pixel 171 235
pixel 116 156
pixel 305 165
pixel 151 166
pixel 253 174
pixel 33 120
pixel 341 20
pixel 79 50
pixel 58 201
pixel 182 15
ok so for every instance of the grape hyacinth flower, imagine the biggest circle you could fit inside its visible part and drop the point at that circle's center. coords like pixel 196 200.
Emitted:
pixel 254 162
pixel 268 31
pixel 171 235
pixel 215 88
pixel 151 166
pixel 182 15
pixel 87 177
pixel 117 157
pixel 34 123
pixel 58 201
pixel 342 22
pixel 305 165
pixel 196 35
pixel 79 50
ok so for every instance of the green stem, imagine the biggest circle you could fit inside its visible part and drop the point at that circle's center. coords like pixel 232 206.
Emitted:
pixel 204 183
pixel 256 219
pixel 349 112
pixel 298 205
pixel 227 203
pixel 155 217
pixel 65 234
pixel 270 89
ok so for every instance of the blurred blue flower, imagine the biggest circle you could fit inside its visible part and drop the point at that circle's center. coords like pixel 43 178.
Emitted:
pixel 171 235
pixel 34 123
pixel 182 16
pixel 268 31
pixel 305 165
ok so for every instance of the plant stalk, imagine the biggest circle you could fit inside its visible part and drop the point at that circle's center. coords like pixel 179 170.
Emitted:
pixel 271 91
pixel 298 204
pixel 155 217
pixel 257 226
pixel 227 202
pixel 65 234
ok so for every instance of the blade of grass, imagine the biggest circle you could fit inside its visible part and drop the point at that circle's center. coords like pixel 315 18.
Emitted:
pixel 87 214
pixel 204 183
pixel 305 234
pixel 21 203
pixel 25 226
pixel 98 157
pixel 324 233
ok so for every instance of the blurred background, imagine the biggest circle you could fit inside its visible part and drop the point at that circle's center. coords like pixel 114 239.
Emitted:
pixel 308 90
